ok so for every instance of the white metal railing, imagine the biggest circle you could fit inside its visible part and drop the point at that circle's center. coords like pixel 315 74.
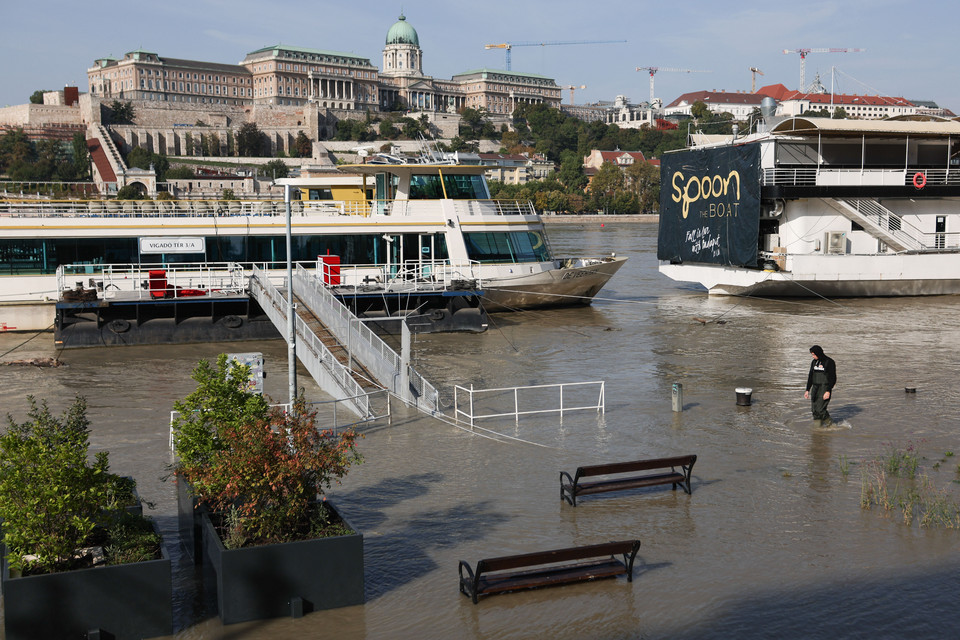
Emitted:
pixel 411 275
pixel 888 222
pixel 330 373
pixel 383 362
pixel 823 175
pixel 470 412
pixel 152 281
pixel 33 208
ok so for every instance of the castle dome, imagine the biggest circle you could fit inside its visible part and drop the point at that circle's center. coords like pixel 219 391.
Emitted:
pixel 402 33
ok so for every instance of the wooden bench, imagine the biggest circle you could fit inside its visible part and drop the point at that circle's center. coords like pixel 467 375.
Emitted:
pixel 548 568
pixel 570 488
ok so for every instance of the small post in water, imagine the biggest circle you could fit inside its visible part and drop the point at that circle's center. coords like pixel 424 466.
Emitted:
pixel 677 397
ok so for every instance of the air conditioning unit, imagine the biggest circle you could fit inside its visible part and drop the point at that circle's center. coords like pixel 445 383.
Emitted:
pixel 835 242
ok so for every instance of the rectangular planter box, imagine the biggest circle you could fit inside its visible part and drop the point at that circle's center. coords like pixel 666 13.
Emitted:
pixel 189 524
pixel 287 579
pixel 120 601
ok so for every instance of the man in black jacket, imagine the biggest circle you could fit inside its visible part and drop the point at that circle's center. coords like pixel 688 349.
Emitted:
pixel 820 382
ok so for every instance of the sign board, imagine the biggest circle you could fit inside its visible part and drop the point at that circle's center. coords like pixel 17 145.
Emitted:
pixel 710 206
pixel 254 360
pixel 167 244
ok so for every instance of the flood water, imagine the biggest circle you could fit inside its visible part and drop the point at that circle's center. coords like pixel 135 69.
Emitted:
pixel 772 543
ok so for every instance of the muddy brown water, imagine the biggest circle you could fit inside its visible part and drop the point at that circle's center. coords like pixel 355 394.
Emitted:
pixel 772 543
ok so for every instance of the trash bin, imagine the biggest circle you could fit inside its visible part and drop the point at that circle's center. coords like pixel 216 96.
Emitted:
pixel 743 396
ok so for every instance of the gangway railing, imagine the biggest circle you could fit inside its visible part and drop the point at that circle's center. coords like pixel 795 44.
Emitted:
pixel 332 376
pixel 323 408
pixel 464 400
pixel 361 342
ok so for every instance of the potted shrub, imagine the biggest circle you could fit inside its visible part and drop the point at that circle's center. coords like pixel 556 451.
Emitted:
pixel 276 545
pixel 77 558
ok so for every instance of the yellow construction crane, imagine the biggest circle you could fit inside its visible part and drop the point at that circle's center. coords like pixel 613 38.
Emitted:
pixel 573 88
pixel 753 82
pixel 653 71
pixel 507 46
pixel 803 60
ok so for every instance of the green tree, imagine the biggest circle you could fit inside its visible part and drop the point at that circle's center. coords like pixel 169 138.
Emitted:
pixel 839 113
pixel 81 156
pixel 251 142
pixel 181 173
pixel 37 96
pixel 276 168
pixel 643 180
pixel 122 112
pixel 387 130
pixel 302 145
pixel 605 186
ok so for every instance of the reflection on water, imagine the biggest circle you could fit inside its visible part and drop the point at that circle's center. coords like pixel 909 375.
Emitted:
pixel 772 542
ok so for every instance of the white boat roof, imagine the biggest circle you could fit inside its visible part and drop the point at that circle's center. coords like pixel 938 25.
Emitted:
pixel 843 127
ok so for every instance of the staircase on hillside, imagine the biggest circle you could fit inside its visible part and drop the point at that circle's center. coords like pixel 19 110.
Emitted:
pixel 108 164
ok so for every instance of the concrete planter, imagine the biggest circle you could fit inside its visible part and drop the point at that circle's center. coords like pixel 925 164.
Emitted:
pixel 288 579
pixel 116 601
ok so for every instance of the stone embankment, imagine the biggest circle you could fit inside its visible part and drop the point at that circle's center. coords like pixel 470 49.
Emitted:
pixel 597 218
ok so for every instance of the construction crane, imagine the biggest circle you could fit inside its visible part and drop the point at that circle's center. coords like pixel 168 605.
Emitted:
pixel 572 88
pixel 653 71
pixel 803 60
pixel 753 82
pixel 507 46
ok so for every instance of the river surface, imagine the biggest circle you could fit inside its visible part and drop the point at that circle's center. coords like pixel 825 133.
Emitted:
pixel 773 542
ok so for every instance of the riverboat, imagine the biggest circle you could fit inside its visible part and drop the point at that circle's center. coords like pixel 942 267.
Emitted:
pixel 812 207
pixel 376 224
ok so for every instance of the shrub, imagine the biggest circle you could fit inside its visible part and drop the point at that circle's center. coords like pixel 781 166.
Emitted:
pixel 53 501
pixel 260 470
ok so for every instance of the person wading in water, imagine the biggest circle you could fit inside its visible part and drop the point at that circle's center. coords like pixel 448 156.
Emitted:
pixel 820 382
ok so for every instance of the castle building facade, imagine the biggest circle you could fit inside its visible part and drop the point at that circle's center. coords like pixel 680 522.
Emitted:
pixel 295 76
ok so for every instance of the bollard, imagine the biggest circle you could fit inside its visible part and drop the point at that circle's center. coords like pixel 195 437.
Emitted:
pixel 677 397
pixel 910 389
pixel 743 396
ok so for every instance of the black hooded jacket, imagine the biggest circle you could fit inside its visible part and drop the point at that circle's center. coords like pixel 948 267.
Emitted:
pixel 822 363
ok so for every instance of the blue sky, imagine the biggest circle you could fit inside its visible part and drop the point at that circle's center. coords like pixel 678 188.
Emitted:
pixel 908 46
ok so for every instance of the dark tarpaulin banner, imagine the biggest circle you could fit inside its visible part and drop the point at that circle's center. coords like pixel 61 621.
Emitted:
pixel 710 206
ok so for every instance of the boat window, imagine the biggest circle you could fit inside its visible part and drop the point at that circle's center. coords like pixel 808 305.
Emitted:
pixel 507 247
pixel 465 187
pixel 425 187
pixel 321 194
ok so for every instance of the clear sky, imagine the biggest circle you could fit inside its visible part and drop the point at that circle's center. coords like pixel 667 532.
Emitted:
pixel 47 44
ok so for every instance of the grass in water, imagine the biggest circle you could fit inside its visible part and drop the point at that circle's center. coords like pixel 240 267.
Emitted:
pixel 895 482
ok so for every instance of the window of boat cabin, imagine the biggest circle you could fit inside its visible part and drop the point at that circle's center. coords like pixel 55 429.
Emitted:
pixel 456 187
pixel 506 246
pixel 321 194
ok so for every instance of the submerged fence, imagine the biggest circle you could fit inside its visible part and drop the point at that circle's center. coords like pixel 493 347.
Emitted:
pixel 466 400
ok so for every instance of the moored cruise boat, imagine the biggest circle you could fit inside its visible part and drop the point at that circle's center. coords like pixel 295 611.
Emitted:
pixel 381 224
pixel 817 207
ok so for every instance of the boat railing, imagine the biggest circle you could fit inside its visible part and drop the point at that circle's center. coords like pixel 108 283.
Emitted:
pixel 151 281
pixel 855 176
pixel 411 275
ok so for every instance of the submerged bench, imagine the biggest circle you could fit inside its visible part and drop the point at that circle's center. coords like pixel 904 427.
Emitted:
pixel 548 568
pixel 573 487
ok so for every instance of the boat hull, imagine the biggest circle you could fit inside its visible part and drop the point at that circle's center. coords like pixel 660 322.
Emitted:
pixel 843 276
pixel 575 283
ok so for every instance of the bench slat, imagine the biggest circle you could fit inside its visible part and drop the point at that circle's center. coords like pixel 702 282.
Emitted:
pixel 681 468
pixel 499 583
pixel 555 555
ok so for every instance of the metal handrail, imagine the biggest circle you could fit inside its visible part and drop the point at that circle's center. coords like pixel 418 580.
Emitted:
pixel 809 175
pixel 599 406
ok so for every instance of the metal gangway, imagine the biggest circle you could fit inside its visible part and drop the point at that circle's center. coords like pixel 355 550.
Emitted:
pixel 349 358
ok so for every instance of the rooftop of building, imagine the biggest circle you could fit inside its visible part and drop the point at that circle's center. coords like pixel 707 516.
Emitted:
pixel 276 50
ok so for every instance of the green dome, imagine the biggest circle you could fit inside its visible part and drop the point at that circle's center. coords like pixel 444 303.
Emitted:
pixel 402 33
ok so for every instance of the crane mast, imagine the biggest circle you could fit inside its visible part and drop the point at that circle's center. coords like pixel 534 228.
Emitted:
pixel 654 70
pixel 803 59
pixel 508 46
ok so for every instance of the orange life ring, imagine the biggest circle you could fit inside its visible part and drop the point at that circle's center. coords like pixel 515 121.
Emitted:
pixel 919 180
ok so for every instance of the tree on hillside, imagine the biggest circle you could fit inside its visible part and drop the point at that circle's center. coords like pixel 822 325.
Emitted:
pixel 302 146
pixel 276 168
pixel 37 96
pixel 81 156
pixel 251 142
pixel 605 186
pixel 643 180
pixel 121 112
